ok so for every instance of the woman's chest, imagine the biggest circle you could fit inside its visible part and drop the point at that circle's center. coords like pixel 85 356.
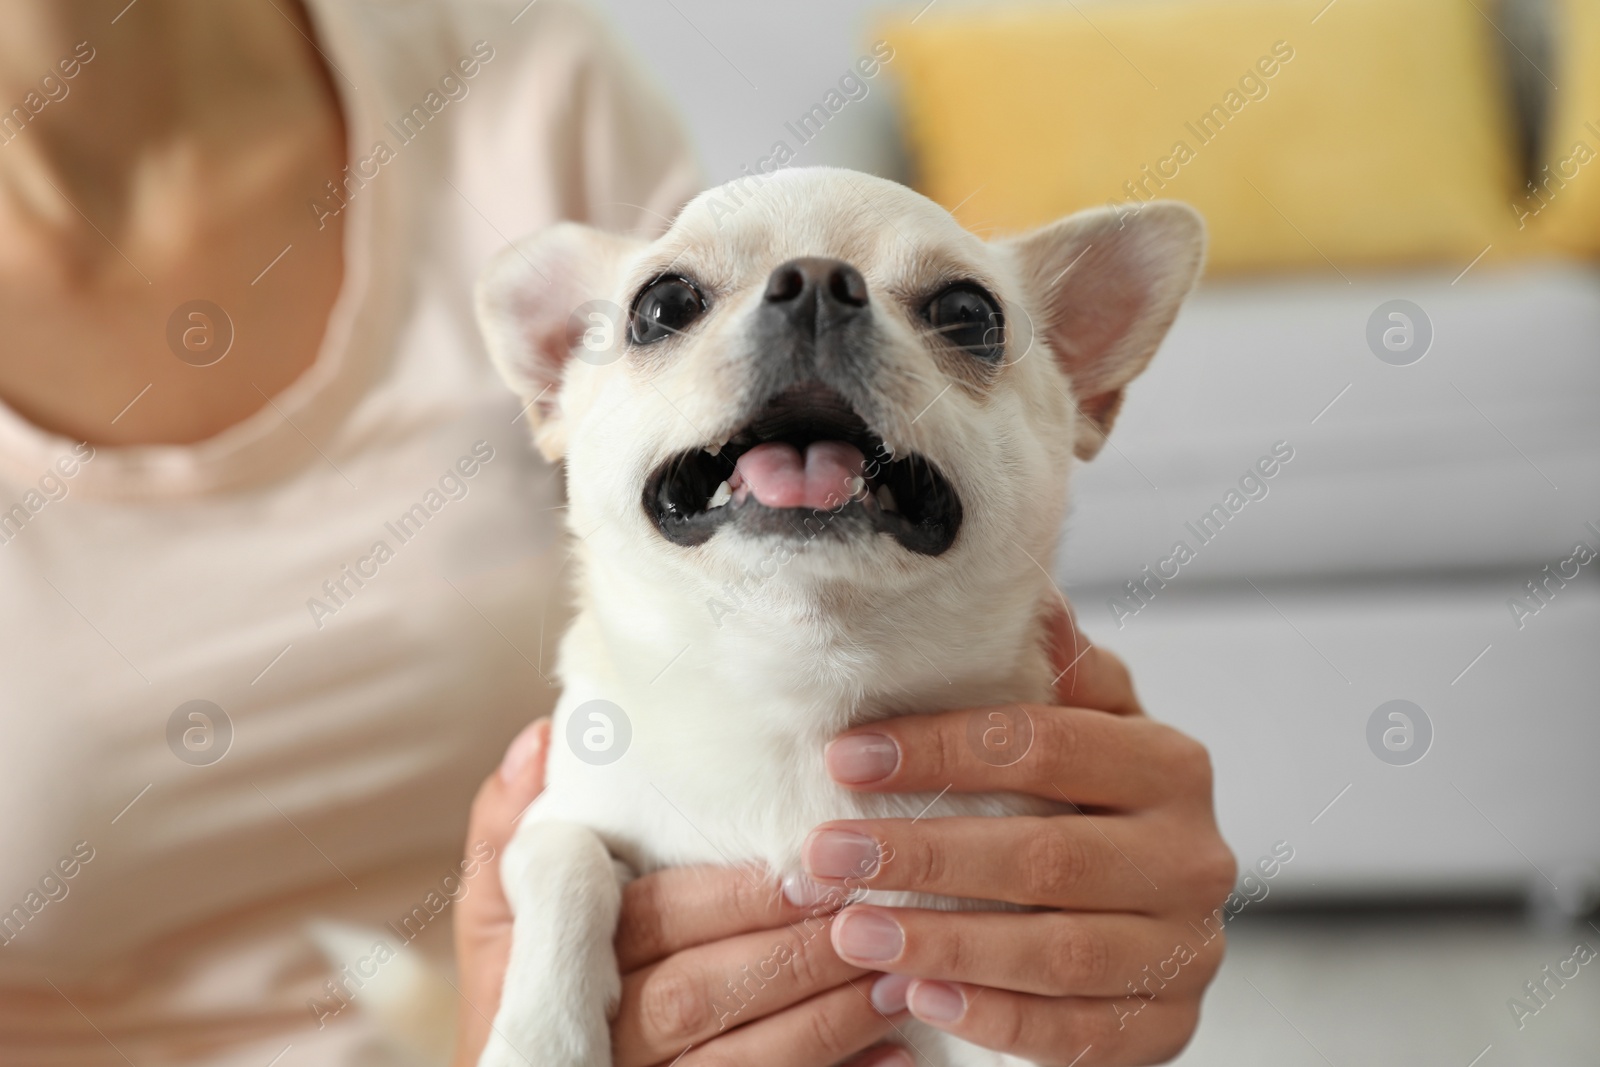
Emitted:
pixel 235 697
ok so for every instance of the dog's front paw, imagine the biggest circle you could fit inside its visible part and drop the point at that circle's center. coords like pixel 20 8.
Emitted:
pixel 562 980
pixel 500 1052
pixel 547 1042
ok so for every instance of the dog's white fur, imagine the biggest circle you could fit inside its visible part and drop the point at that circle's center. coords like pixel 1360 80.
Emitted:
pixel 730 712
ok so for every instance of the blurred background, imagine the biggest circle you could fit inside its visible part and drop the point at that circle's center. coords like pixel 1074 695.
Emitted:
pixel 1405 209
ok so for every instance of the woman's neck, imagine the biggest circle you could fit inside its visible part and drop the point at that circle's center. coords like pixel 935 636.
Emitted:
pixel 165 151
pixel 129 115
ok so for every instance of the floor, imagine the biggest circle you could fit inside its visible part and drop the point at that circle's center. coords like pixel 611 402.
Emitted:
pixel 1402 989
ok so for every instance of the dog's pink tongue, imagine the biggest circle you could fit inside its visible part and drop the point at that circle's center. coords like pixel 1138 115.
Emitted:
pixel 778 476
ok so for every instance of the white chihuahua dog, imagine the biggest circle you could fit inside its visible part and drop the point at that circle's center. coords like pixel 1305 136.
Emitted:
pixel 816 479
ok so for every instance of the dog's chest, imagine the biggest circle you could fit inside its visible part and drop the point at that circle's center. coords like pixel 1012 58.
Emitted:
pixel 684 800
pixel 721 759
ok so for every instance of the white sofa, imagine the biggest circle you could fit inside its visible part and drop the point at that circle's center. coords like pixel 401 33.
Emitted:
pixel 1378 566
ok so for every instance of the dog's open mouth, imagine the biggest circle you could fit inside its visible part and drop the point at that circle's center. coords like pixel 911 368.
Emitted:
pixel 806 465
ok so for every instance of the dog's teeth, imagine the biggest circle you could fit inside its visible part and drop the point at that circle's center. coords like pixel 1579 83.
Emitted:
pixel 886 499
pixel 858 486
pixel 712 450
pixel 723 494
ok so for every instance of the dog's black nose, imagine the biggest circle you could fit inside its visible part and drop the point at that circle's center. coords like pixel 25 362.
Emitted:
pixel 809 283
pixel 814 324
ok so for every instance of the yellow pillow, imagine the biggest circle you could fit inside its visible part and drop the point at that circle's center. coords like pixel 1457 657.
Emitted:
pixel 1561 208
pixel 1374 134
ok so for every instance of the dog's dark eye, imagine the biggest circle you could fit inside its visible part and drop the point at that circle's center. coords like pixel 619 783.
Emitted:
pixel 664 307
pixel 967 317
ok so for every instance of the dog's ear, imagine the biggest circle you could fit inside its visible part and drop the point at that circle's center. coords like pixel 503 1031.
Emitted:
pixel 536 302
pixel 1105 285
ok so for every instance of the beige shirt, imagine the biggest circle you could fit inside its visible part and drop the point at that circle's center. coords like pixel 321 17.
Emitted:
pixel 160 861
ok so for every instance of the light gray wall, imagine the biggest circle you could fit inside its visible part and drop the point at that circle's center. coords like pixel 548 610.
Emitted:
pixel 738 70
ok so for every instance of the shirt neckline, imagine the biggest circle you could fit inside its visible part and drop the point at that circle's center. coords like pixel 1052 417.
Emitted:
pixel 274 438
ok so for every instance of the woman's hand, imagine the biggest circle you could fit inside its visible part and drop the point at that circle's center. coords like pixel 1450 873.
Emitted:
pixel 683 935
pixel 1114 971
pixel 483 917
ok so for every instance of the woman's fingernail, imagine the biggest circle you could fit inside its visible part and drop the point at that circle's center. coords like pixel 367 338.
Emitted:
pixel 867 937
pixel 529 742
pixel 860 759
pixel 802 892
pixel 837 855
pixel 889 993
pixel 937 1002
